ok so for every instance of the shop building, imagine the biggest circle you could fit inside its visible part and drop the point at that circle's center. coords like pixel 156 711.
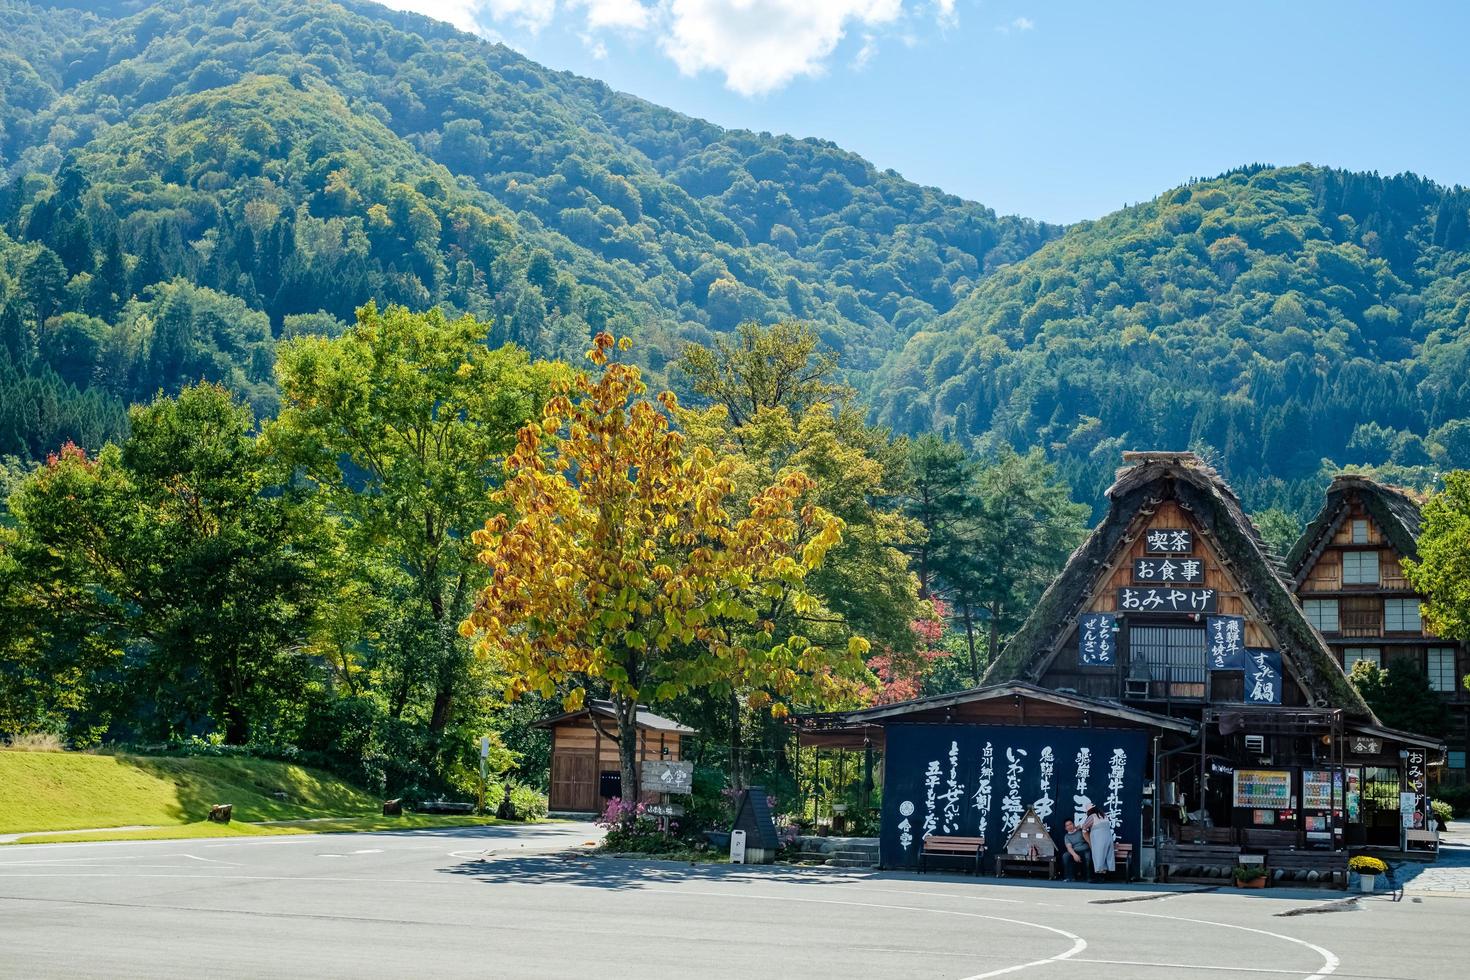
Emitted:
pixel 1169 675
pixel 1347 572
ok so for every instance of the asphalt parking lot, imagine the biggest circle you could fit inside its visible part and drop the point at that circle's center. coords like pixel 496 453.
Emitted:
pixel 522 902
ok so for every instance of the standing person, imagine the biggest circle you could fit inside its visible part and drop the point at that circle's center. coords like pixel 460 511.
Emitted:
pixel 1074 851
pixel 1098 830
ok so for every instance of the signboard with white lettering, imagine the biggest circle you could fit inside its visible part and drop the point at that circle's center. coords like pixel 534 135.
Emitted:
pixel 1162 571
pixel 1225 642
pixel 662 776
pixel 1166 600
pixel 1168 541
pixel 1097 643
pixel 1263 676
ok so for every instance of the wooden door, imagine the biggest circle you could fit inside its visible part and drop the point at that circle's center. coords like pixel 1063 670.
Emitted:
pixel 573 781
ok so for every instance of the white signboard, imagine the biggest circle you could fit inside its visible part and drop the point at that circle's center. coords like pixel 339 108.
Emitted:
pixel 737 847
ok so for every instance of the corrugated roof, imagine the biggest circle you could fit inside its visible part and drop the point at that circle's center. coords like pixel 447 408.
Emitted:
pixel 604 709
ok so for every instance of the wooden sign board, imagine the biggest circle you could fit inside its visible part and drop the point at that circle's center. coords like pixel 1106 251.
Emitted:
pixel 660 776
pixel 1168 541
pixel 1167 571
pixel 1366 745
pixel 664 810
pixel 1166 599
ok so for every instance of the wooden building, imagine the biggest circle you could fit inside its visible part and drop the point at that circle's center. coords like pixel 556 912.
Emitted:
pixel 1173 640
pixel 585 770
pixel 1346 570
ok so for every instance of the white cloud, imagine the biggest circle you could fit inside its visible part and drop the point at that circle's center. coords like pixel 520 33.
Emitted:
pixel 761 45
pixel 1023 23
pixel 758 46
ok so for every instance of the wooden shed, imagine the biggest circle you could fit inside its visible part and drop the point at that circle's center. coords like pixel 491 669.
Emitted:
pixel 584 753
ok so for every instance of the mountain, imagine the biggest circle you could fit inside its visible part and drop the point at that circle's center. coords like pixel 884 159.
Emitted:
pixel 187 182
pixel 302 158
pixel 1272 318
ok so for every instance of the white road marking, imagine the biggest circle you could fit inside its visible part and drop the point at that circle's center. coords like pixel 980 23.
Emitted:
pixel 1187 966
pixel 227 864
pixel 1078 943
pixel 1330 961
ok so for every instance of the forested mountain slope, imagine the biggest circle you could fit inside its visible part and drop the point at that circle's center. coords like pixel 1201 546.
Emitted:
pixel 302 157
pixel 1272 317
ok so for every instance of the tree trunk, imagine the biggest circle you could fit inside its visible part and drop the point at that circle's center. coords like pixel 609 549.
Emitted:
pixel 237 726
pixel 970 639
pixel 737 769
pixel 448 667
pixel 994 631
pixel 627 711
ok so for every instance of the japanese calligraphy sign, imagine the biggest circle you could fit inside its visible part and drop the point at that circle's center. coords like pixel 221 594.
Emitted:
pixel 1415 767
pixel 1162 571
pixel 1225 643
pixel 1097 643
pixel 1262 676
pixel 979 781
pixel 1166 600
pixel 668 777
pixel 1168 541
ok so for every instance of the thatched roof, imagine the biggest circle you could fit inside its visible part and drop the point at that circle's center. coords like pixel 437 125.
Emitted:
pixel 1394 509
pixel 1149 479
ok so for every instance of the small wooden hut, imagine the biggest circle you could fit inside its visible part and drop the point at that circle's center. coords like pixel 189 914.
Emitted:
pixel 585 771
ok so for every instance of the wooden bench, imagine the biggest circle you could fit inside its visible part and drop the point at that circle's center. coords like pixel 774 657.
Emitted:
pixel 1204 864
pixel 1280 840
pixel 1328 868
pixel 1214 835
pixel 1123 860
pixel 969 848
pixel 1422 843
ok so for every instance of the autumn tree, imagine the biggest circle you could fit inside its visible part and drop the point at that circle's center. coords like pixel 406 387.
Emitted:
pixel 623 564
pixel 780 366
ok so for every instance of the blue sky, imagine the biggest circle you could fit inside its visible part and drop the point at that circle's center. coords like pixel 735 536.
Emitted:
pixel 1055 110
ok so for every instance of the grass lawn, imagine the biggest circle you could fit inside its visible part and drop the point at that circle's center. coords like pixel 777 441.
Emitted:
pixel 409 821
pixel 69 790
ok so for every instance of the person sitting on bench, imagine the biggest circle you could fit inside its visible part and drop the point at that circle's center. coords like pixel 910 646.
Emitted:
pixel 1075 854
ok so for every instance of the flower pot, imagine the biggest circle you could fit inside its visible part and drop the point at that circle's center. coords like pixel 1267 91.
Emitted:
pixel 1365 882
pixel 1251 882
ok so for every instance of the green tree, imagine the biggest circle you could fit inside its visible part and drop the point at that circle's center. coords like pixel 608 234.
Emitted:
pixel 780 366
pixel 401 425
pixel 1279 529
pixel 1442 571
pixel 181 547
pixel 937 495
pixel 1401 697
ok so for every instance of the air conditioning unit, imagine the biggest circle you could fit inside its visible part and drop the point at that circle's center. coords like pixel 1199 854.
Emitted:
pixel 1256 744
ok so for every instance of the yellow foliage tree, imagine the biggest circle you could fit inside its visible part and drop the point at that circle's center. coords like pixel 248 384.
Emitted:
pixel 620 564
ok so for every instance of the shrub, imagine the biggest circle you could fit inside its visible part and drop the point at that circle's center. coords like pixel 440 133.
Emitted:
pixel 1456 796
pixel 630 828
pixel 527 803
pixel 1249 872
pixel 36 742
pixel 1442 810
pixel 1365 865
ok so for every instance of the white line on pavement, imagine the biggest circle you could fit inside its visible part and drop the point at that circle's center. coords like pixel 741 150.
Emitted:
pixel 1329 958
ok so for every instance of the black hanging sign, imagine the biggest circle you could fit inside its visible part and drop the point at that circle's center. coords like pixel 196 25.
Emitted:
pixel 1165 571
pixel 1225 642
pixel 1168 541
pixel 1166 600
pixel 1262 676
pixel 979 781
pixel 1097 643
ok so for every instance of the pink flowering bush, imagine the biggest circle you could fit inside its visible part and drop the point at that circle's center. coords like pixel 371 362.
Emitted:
pixel 630 828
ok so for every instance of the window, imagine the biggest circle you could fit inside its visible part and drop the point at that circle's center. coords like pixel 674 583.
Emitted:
pixel 1322 613
pixel 1456 760
pixel 1360 568
pixel 1171 658
pixel 1352 655
pixel 1362 615
pixel 1402 616
pixel 1441 669
pixel 1360 532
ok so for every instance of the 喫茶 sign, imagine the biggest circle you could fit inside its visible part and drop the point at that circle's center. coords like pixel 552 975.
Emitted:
pixel 1168 541
pixel 979 781
pixel 668 777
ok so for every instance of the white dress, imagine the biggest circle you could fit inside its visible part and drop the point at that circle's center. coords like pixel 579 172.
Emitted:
pixel 1101 839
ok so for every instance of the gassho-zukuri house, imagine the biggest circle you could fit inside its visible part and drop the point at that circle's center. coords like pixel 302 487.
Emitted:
pixel 1169 676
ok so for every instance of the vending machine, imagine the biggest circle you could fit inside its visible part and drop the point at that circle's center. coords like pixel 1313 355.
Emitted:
pixel 1322 800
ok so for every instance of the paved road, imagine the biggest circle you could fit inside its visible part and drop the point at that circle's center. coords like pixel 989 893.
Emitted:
pixel 496 902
